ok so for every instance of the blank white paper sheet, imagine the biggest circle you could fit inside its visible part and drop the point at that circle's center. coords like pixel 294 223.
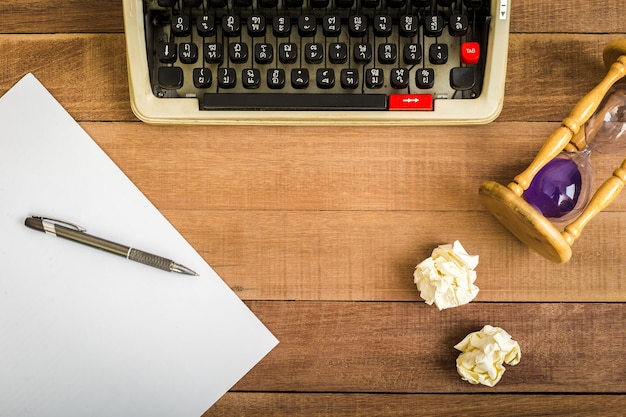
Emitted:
pixel 87 333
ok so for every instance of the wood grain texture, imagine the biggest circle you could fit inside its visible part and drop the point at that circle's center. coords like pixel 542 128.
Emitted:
pixel 408 347
pixel 68 16
pixel 338 168
pixel 590 16
pixel 86 73
pixel 409 405
pixel 372 255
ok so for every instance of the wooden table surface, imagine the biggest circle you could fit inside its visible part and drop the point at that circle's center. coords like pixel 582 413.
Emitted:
pixel 319 229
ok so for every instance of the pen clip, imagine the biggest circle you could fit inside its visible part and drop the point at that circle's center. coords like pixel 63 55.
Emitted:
pixel 52 221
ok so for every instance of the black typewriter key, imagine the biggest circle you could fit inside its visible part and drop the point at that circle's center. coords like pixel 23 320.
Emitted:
pixel 473 4
pixel 181 25
pixel 374 77
pixel 299 78
pixel 192 3
pixel 319 4
pixel 399 78
pixel 213 53
pixel 371 3
pixel 412 53
pixel 287 52
pixel 362 53
pixel 331 25
pixel 170 78
pixel 293 3
pixel 344 4
pixel 238 52
pixel 425 78
pixel 382 25
pixel 263 53
pixel 438 53
pixel 231 25
pixel 387 53
pixel 313 53
pixel 281 25
pixel 338 52
pixel 205 25
pixel 396 4
pixel 325 78
pixel 462 78
pixel 445 3
pixel 217 4
pixel 251 78
pixel 226 77
pixel 422 3
pixel 458 24
pixel 408 25
pixel 243 3
pixel 267 4
pixel 167 52
pixel 256 25
pixel 433 25
pixel 349 78
pixel 188 53
pixel 357 25
pixel 307 25
pixel 202 77
pixel 275 78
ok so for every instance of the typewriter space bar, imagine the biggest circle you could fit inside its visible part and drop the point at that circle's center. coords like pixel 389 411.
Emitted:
pixel 296 101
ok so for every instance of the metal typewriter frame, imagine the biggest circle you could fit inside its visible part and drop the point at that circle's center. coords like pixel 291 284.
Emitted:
pixel 151 109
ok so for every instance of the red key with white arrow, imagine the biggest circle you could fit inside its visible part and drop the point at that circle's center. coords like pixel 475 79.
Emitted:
pixel 411 102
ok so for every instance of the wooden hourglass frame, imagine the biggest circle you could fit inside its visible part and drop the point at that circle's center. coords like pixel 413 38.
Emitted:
pixel 507 204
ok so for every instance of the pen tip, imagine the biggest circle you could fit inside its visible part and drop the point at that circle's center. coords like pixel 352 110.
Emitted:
pixel 174 267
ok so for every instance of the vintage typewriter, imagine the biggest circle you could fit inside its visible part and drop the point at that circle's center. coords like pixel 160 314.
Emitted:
pixel 371 62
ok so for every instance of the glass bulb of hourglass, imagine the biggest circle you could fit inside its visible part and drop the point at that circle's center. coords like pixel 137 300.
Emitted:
pixel 560 189
pixel 605 130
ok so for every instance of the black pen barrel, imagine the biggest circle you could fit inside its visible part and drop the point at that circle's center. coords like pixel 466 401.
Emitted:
pixel 77 236
pixel 94 242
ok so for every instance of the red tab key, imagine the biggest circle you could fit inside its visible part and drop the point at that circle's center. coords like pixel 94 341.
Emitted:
pixel 470 53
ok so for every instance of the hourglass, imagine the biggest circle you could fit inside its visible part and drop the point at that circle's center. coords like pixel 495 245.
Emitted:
pixel 548 204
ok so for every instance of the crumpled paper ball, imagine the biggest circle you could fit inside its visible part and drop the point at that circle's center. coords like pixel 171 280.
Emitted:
pixel 483 355
pixel 447 277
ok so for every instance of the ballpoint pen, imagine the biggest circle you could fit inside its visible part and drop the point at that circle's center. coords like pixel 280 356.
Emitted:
pixel 77 234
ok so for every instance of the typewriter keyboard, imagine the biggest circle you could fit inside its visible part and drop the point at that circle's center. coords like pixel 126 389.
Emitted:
pixel 368 61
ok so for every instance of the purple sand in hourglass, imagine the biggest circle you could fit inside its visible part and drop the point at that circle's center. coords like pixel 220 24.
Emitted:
pixel 555 189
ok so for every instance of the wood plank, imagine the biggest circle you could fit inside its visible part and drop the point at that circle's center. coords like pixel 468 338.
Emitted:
pixel 408 347
pixel 591 16
pixel 67 16
pixel 548 74
pixel 85 73
pixel 317 168
pixel 329 255
pixel 409 405
pixel 537 89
